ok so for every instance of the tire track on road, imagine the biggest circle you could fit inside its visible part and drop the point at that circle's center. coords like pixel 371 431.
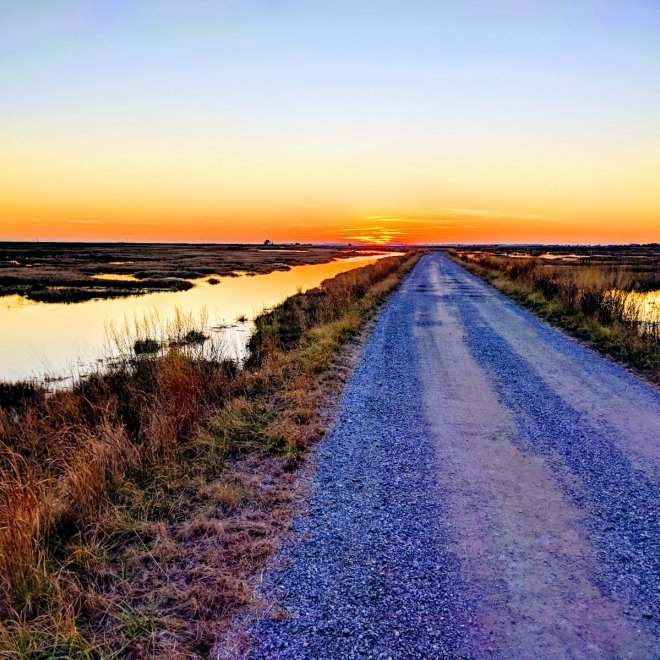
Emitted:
pixel 468 503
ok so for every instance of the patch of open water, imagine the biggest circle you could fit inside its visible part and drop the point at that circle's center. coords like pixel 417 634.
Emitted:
pixel 63 341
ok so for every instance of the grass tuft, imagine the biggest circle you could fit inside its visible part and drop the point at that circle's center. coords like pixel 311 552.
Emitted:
pixel 135 507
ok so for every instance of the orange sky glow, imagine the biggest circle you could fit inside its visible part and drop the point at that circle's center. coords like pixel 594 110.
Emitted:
pixel 507 122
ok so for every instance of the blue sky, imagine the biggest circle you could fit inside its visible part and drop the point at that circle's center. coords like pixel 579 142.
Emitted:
pixel 274 109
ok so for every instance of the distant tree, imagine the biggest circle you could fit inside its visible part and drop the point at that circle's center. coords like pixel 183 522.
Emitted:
pixel 268 242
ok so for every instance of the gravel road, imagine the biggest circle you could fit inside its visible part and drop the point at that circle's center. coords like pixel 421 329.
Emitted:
pixel 489 490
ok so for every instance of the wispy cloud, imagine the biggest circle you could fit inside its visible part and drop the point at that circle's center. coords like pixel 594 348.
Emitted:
pixel 387 218
pixel 486 213
pixel 383 229
pixel 433 217
pixel 416 220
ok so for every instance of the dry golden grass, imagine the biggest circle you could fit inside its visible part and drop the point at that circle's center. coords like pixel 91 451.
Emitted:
pixel 593 302
pixel 135 508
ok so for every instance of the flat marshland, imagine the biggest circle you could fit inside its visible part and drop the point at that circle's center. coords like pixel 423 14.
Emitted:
pixel 73 272
pixel 606 296
pixel 136 506
pixel 50 331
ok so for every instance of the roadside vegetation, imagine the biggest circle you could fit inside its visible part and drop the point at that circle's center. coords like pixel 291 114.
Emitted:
pixel 599 303
pixel 136 507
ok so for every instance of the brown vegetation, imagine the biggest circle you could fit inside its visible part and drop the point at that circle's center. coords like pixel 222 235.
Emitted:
pixel 69 272
pixel 135 507
pixel 586 295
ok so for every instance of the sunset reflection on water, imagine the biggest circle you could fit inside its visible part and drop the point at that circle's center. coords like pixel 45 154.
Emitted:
pixel 56 340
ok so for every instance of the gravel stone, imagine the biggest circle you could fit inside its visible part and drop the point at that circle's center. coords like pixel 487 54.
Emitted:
pixel 371 570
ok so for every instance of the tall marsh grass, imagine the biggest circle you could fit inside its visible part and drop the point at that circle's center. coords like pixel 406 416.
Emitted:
pixel 62 458
pixel 599 303
pixel 283 327
pixel 146 440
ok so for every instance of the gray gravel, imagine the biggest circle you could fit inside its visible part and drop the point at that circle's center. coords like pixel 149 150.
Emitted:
pixel 390 559
pixel 620 501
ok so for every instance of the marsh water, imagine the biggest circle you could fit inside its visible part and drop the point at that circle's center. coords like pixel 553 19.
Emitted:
pixel 643 307
pixel 60 342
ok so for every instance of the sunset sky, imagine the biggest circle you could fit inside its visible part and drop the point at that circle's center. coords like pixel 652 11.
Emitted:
pixel 375 121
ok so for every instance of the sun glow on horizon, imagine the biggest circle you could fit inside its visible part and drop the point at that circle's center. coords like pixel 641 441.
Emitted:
pixel 236 123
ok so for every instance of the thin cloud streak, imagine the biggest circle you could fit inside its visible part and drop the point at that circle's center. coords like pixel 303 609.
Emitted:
pixel 483 213
pixel 430 217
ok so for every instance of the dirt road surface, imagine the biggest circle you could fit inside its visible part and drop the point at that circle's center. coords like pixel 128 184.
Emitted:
pixel 489 490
